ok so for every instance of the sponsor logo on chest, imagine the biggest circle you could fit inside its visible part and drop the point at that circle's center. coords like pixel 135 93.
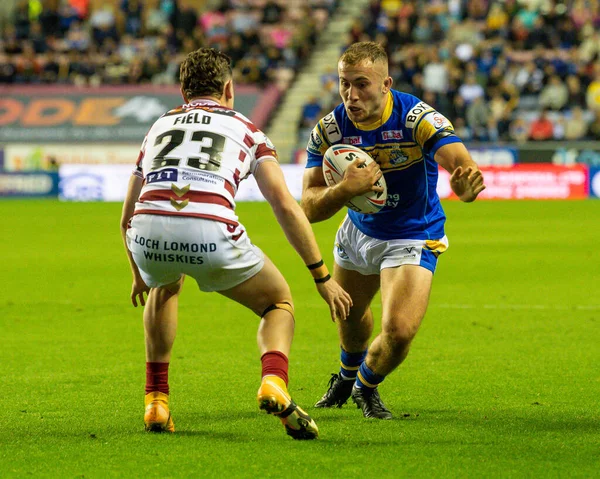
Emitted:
pixel 352 140
pixel 392 135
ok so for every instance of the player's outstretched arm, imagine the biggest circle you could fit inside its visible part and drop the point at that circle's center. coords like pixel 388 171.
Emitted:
pixel 466 180
pixel 138 287
pixel 299 233
pixel 321 202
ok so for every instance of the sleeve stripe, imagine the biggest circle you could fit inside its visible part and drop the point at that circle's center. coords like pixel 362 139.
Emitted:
pixel 421 119
pixel 429 144
pixel 322 134
pixel 264 150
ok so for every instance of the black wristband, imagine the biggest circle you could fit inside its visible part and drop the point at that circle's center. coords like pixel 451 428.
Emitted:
pixel 324 279
pixel 315 265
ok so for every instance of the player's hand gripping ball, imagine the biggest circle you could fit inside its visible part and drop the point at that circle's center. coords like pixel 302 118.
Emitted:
pixel 337 158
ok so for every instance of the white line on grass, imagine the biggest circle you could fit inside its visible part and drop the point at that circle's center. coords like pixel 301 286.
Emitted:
pixel 582 307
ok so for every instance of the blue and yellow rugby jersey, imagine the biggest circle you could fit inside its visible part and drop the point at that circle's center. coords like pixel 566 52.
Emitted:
pixel 403 143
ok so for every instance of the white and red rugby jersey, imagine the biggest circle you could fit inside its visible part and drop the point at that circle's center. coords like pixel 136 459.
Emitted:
pixel 193 159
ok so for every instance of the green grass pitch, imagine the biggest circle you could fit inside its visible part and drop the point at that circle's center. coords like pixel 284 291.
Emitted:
pixel 503 379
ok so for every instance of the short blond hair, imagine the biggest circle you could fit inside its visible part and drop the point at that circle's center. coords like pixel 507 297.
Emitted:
pixel 358 52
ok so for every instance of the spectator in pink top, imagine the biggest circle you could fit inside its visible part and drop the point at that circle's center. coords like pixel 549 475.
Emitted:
pixel 281 36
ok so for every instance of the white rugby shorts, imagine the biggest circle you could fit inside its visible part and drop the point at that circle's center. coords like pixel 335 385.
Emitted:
pixel 356 251
pixel 166 247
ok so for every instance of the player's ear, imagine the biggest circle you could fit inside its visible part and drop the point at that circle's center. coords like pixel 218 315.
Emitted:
pixel 387 84
pixel 227 97
pixel 229 90
pixel 185 100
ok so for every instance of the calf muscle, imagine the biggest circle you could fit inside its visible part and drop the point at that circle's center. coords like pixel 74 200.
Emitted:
pixel 405 295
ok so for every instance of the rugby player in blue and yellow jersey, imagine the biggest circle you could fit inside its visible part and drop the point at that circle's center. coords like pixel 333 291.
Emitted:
pixel 396 249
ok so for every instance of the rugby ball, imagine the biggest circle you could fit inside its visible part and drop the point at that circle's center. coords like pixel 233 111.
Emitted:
pixel 336 160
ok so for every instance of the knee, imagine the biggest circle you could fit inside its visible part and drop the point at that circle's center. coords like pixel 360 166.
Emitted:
pixel 167 291
pixel 160 296
pixel 359 316
pixel 279 298
pixel 284 305
pixel 400 332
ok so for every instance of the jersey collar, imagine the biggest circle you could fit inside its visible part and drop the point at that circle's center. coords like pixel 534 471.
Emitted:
pixel 204 101
pixel 387 112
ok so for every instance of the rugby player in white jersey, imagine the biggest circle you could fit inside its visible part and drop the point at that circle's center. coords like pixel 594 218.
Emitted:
pixel 179 220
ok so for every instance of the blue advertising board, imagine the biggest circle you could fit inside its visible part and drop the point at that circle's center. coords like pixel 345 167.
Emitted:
pixel 595 181
pixel 30 183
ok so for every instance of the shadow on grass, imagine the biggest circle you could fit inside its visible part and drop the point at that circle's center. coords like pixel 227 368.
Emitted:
pixel 507 422
pixel 223 436
pixel 220 416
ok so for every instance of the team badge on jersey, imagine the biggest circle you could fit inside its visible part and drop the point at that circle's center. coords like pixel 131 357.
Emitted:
pixel 397 157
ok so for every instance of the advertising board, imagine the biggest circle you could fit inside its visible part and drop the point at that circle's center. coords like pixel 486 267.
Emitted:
pixel 595 182
pixel 109 183
pixel 28 184
pixel 541 181
pixel 94 182
pixel 527 181
pixel 44 156
pixel 105 114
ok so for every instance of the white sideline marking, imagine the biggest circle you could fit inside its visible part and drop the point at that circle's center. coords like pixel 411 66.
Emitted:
pixel 554 307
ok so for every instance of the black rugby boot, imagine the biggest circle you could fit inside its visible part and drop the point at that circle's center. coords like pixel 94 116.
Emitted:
pixel 338 393
pixel 371 404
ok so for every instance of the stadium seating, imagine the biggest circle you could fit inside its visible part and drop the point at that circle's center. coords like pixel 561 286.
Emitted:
pixel 98 42
pixel 495 66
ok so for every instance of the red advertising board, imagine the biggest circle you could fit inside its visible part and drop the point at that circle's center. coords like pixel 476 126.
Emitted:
pixel 527 181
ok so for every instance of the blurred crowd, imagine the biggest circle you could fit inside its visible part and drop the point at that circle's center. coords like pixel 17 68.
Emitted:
pixel 98 42
pixel 499 70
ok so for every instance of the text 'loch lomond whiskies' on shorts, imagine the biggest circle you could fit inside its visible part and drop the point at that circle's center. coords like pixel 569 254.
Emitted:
pixel 175 245
pixel 173 258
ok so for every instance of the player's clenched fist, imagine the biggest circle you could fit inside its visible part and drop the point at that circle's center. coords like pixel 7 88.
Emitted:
pixel 360 177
